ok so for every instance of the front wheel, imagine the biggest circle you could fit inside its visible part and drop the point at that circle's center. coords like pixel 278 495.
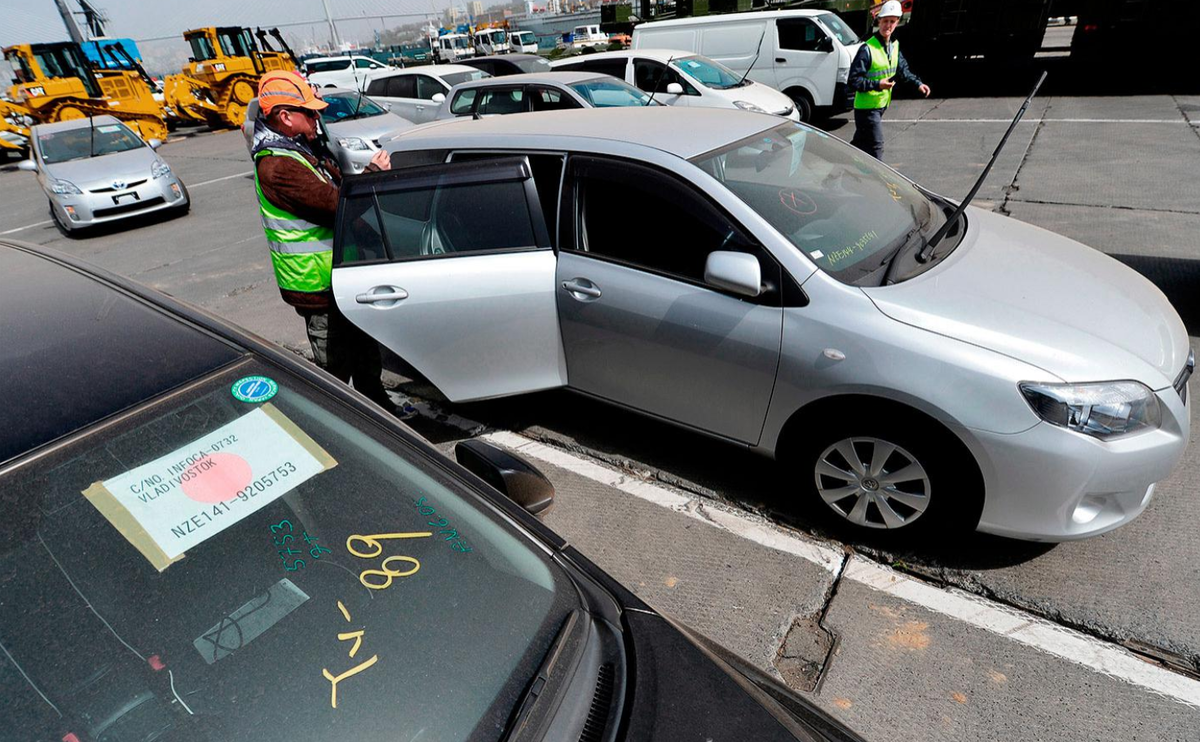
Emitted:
pixel 804 106
pixel 898 479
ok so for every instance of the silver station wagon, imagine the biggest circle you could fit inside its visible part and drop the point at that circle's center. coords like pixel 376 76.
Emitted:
pixel 765 283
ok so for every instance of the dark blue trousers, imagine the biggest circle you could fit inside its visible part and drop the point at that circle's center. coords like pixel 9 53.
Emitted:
pixel 868 131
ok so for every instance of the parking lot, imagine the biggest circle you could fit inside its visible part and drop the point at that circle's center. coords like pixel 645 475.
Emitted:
pixel 978 638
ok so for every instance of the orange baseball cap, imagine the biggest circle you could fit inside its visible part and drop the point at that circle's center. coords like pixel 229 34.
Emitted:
pixel 286 88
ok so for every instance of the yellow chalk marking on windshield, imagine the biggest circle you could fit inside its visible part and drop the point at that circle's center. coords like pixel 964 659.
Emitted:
pixel 356 636
pixel 374 539
pixel 349 673
pixel 345 613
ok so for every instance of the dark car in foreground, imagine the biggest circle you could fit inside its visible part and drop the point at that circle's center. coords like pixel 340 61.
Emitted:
pixel 205 538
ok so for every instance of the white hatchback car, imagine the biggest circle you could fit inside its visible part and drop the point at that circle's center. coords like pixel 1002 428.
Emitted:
pixel 416 94
pixel 681 78
pixel 768 284
pixel 342 72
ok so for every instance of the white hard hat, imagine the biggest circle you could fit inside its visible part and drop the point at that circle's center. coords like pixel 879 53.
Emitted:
pixel 890 9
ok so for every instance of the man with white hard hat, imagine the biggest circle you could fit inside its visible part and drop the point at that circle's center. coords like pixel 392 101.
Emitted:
pixel 872 77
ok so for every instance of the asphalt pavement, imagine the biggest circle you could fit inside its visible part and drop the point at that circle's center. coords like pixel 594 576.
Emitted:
pixel 733 553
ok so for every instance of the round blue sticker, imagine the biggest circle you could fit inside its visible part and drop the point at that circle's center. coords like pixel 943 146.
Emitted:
pixel 254 389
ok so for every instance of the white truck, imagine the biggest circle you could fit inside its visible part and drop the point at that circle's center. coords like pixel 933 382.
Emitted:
pixel 806 54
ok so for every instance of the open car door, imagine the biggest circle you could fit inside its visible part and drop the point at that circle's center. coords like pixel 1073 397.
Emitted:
pixel 451 267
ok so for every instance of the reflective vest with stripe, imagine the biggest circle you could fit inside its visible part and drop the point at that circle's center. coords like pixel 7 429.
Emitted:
pixel 883 66
pixel 301 252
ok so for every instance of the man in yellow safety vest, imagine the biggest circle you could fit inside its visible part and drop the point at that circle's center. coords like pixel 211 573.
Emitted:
pixel 297 200
pixel 872 77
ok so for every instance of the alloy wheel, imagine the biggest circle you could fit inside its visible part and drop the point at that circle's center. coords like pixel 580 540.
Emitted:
pixel 872 483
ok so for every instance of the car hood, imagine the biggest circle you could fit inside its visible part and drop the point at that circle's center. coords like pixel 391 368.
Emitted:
pixel 1045 300
pixel 372 127
pixel 764 96
pixel 100 172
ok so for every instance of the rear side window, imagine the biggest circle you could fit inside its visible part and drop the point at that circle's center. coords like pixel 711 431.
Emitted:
pixel 502 101
pixel 378 87
pixel 547 177
pixel 550 99
pixel 798 34
pixel 332 65
pixel 401 86
pixel 614 67
pixel 456 219
pixel 463 102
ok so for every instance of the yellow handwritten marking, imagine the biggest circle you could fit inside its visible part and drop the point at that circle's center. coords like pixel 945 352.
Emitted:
pixel 374 539
pixel 388 573
pixel 356 636
pixel 349 673
pixel 345 613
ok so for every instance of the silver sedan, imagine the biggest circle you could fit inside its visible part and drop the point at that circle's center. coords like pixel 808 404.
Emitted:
pixel 353 125
pixel 97 170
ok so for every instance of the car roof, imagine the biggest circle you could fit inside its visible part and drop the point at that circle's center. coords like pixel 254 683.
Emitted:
pixel 427 69
pixel 506 57
pixel 662 55
pixel 683 132
pixel 740 17
pixel 80 350
pixel 561 77
pixel 104 120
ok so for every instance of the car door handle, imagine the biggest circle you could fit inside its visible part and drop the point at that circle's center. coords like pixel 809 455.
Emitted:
pixel 396 294
pixel 587 288
pixel 780 60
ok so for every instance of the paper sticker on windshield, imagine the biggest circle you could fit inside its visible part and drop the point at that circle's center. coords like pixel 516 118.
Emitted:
pixel 186 497
pixel 110 129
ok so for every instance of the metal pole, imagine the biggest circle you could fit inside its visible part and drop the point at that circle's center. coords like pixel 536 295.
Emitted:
pixel 69 21
pixel 333 34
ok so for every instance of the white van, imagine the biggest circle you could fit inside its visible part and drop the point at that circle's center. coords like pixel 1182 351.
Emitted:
pixel 489 41
pixel 523 42
pixel 804 53
pixel 451 47
pixel 676 77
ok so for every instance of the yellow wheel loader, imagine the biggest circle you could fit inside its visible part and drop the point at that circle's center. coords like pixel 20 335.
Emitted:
pixel 222 77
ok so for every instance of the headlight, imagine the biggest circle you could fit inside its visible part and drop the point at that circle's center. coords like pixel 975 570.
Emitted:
pixel 160 169
pixel 746 105
pixel 1104 410
pixel 64 187
pixel 354 144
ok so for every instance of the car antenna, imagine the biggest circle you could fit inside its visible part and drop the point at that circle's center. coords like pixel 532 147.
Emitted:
pixel 659 81
pixel 92 141
pixel 357 87
pixel 923 255
pixel 757 52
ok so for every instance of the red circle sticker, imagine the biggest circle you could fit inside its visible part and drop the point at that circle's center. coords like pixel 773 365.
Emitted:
pixel 216 478
pixel 797 201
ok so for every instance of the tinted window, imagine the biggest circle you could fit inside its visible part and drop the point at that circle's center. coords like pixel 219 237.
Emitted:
pixel 676 228
pixel 614 67
pixel 482 64
pixel 457 78
pixel 378 87
pixel 364 64
pixel 550 99
pixel 464 100
pixel 532 64
pixel 361 239
pixel 502 101
pixel 547 177
pixel 456 219
pixel 402 86
pixel 653 76
pixel 798 34
pixel 331 65
pixel 427 87
pixel 151 592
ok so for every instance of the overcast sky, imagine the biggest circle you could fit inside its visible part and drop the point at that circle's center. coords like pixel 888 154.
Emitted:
pixel 31 21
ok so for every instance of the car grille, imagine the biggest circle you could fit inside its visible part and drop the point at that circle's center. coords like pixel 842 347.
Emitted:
pixel 1182 380
pixel 110 189
pixel 126 208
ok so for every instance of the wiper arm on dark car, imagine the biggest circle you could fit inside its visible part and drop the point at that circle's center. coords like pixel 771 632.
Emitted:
pixel 537 686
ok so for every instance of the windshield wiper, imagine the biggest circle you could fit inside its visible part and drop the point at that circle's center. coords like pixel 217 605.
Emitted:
pixel 923 256
pixel 541 678
pixel 893 260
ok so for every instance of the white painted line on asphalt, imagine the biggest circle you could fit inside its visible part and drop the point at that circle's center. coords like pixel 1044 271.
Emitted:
pixel 1029 630
pixel 740 524
pixel 218 180
pixel 27 226
pixel 1024 628
pixel 1034 121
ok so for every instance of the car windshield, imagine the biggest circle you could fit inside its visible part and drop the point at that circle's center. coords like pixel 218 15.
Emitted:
pixel 346 106
pixel 524 37
pixel 244 558
pixel 610 93
pixel 836 26
pixel 532 64
pixel 88 141
pixel 708 73
pixel 455 78
pixel 848 212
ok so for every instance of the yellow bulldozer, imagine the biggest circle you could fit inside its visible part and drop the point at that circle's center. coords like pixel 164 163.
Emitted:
pixel 54 83
pixel 222 77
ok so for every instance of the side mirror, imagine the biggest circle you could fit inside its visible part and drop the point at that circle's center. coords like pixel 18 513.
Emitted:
pixel 674 88
pixel 438 97
pixel 27 165
pixel 154 143
pixel 824 44
pixel 738 272
pixel 511 475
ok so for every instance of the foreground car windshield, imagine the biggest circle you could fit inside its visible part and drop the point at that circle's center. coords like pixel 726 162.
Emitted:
pixel 709 73
pixel 78 144
pixel 848 212
pixel 610 93
pixel 242 560
pixel 349 106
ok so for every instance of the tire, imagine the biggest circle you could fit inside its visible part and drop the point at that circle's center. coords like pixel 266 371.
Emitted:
pixel 58 222
pixel 804 106
pixel 911 477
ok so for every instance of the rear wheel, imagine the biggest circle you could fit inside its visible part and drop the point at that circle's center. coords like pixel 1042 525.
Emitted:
pixel 902 478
